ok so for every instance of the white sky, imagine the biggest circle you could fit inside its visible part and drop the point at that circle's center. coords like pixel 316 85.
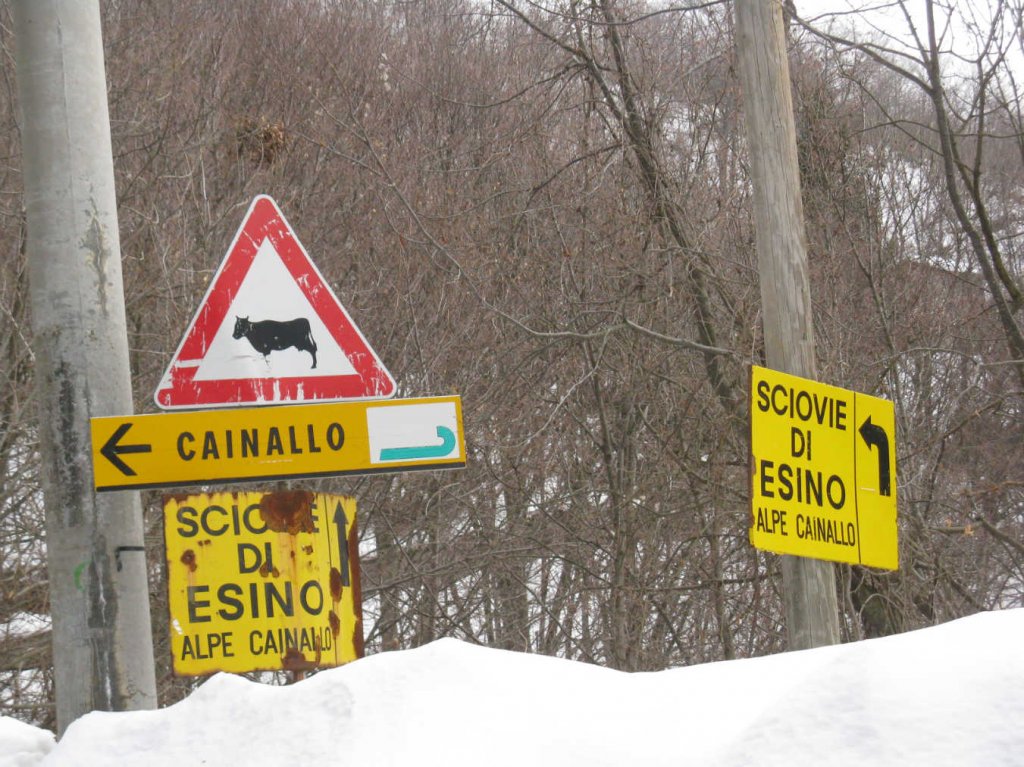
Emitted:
pixel 950 695
pixel 885 21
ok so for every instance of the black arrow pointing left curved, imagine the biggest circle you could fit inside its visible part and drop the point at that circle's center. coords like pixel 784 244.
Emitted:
pixel 875 436
pixel 113 450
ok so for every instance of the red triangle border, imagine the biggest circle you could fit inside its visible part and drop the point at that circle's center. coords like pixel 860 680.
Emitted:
pixel 264 220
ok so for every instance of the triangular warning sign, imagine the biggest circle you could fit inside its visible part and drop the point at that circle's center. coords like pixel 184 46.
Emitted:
pixel 270 330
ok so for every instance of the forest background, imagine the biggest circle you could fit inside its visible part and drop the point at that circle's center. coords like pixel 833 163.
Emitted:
pixel 545 207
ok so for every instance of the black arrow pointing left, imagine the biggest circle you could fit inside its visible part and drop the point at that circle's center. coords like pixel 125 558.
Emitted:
pixel 113 450
pixel 875 436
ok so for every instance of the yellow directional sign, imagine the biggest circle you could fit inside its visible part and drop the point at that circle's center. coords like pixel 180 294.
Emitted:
pixel 262 581
pixel 241 444
pixel 823 471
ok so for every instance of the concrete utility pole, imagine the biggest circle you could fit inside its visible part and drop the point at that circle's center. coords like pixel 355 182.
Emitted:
pixel 102 645
pixel 812 612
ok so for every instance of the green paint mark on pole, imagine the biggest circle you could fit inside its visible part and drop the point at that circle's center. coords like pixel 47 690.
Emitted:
pixel 78 575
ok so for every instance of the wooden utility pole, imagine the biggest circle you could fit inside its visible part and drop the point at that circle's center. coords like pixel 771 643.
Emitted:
pixel 812 612
pixel 99 598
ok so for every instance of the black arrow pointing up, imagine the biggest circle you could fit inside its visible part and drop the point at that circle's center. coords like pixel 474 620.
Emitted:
pixel 875 436
pixel 113 451
pixel 340 522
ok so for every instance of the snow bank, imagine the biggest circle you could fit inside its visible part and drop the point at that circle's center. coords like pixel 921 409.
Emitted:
pixel 22 745
pixel 950 695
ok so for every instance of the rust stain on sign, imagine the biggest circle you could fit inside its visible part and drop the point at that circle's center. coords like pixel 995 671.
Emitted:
pixel 336 584
pixel 247 594
pixel 356 590
pixel 294 660
pixel 288 511
pixel 335 623
pixel 357 635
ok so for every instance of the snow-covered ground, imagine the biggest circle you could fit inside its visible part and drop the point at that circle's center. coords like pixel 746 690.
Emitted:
pixel 950 695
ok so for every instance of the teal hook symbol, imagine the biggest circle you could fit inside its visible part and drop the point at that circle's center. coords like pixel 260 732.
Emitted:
pixel 422 451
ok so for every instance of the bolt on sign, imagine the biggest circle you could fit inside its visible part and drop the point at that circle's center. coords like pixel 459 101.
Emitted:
pixel 262 581
pixel 823 471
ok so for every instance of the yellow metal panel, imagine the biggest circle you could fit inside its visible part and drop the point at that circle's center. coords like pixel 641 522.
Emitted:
pixel 262 581
pixel 819 458
pixel 875 459
pixel 204 447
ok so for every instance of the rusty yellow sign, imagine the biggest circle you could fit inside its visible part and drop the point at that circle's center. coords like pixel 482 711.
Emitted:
pixel 823 471
pixel 262 581
pixel 285 441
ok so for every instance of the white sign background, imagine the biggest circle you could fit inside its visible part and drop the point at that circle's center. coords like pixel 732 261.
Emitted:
pixel 269 292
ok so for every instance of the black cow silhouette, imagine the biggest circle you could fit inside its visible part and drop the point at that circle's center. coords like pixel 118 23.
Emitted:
pixel 270 335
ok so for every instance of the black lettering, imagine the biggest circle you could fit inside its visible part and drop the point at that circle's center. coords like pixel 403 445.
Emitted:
pixel 271 644
pixel 186 455
pixel 762 396
pixel 779 521
pixel 247 518
pixel 205 521
pixel 800 405
pixel 786 480
pixel 826 531
pixel 812 489
pixel 195 604
pixel 837 498
pixel 250 443
pixel 779 389
pixel 311 439
pixel 210 446
pixel 187 650
pixel 307 587
pixel 766 478
pixel 228 594
pixel 803 403
pixel 771 521
pixel 291 637
pixel 254 597
pixel 823 408
pixel 274 444
pixel 244 550
pixel 295 449
pixel 187 524
pixel 798 441
pixel 335 436
pixel 213 641
pixel 274 595
pixel 841 415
